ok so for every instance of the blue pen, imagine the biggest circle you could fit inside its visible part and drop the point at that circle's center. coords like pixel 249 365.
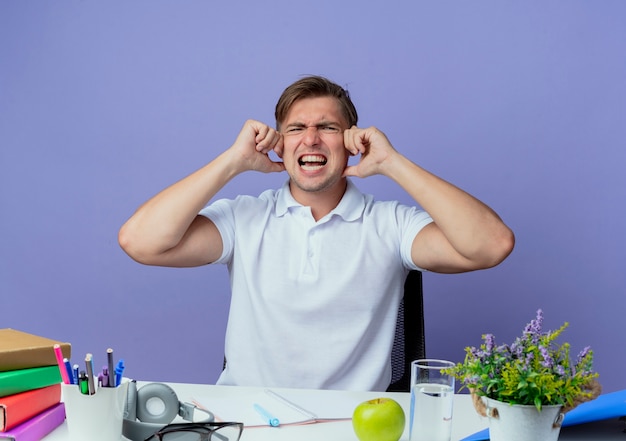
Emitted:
pixel 76 375
pixel 70 372
pixel 267 417
pixel 119 370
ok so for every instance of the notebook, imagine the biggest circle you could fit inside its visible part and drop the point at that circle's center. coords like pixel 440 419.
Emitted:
pixel 289 407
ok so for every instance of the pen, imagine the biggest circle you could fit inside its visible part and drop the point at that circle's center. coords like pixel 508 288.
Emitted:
pixel 267 417
pixel 75 368
pixel 90 379
pixel 59 356
pixel 111 381
pixel 68 369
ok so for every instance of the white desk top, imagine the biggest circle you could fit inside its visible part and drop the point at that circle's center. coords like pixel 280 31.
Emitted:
pixel 465 419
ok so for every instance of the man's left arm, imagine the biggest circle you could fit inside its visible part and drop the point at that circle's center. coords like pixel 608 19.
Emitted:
pixel 466 234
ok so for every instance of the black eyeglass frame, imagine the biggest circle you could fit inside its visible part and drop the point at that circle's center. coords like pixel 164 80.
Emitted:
pixel 210 428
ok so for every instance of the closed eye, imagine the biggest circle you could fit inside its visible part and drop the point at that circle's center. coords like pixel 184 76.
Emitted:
pixel 329 129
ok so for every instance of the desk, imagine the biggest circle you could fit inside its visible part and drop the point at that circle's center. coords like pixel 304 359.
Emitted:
pixel 465 419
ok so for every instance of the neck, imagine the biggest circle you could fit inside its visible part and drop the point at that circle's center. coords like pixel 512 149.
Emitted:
pixel 321 202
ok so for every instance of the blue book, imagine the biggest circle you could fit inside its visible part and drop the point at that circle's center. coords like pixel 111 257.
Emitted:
pixel 606 406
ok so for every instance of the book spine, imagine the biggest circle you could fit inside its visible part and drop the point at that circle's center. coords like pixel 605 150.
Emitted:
pixel 37 427
pixel 14 382
pixel 15 409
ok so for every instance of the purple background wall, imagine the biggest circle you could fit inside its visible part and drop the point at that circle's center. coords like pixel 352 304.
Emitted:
pixel 102 104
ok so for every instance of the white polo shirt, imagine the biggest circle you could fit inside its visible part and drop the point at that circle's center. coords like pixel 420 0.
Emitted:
pixel 313 304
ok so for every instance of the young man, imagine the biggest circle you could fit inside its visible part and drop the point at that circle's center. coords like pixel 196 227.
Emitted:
pixel 317 268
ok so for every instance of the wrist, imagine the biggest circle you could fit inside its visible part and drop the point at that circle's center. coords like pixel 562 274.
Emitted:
pixel 393 164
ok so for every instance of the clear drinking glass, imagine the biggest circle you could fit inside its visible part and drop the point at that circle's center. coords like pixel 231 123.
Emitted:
pixel 432 397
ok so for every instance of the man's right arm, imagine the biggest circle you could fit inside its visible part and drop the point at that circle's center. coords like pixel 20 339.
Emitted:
pixel 167 230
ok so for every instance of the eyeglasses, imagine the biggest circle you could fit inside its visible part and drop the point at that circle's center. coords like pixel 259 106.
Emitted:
pixel 198 432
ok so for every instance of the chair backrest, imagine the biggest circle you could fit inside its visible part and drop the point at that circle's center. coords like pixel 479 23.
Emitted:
pixel 410 342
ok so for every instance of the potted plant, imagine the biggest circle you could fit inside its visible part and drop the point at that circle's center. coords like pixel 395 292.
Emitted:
pixel 527 386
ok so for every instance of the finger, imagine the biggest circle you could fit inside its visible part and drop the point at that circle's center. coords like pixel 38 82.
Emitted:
pixel 279 147
pixel 349 142
pixel 276 139
pixel 261 131
pixel 361 140
pixel 277 167
pixel 268 141
pixel 350 170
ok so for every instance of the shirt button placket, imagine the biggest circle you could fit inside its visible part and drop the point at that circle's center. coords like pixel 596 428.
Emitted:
pixel 311 264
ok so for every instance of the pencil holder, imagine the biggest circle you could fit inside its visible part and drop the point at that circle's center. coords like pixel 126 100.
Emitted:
pixel 96 417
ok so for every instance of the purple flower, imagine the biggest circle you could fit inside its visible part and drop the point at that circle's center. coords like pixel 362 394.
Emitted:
pixel 517 348
pixel 477 353
pixel 471 379
pixel 528 360
pixel 490 342
pixel 547 362
pixel 583 353
pixel 533 329
pixel 503 350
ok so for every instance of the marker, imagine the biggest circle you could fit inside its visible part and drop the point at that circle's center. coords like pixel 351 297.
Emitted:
pixel 90 379
pixel 111 382
pixel 68 369
pixel 59 356
pixel 267 417
pixel 83 383
pixel 104 376
pixel 119 370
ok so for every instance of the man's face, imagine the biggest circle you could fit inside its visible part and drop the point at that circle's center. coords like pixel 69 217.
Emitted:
pixel 313 153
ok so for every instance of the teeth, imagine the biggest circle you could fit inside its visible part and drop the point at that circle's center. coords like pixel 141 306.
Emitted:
pixel 312 158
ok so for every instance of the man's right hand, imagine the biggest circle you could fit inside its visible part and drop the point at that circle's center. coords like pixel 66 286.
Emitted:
pixel 167 230
pixel 252 147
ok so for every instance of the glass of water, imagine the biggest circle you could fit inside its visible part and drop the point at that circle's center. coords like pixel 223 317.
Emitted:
pixel 432 396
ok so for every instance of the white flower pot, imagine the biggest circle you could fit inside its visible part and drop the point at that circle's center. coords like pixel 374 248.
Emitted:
pixel 522 423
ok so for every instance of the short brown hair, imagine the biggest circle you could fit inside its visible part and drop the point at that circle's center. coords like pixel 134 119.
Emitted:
pixel 311 87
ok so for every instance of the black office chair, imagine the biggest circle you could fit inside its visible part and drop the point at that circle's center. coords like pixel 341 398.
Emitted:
pixel 409 343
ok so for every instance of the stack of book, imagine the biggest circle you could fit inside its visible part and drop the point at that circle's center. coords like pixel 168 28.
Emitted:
pixel 30 386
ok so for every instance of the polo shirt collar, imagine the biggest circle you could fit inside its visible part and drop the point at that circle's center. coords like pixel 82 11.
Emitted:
pixel 350 207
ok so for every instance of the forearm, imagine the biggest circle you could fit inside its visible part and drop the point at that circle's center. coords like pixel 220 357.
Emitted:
pixel 471 228
pixel 161 223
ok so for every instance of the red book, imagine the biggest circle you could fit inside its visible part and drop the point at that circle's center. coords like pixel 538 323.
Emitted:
pixel 15 409
pixel 38 426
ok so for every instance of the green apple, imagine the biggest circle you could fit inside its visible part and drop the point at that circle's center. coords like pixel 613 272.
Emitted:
pixel 380 419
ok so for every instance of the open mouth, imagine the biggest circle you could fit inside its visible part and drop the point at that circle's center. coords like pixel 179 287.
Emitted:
pixel 312 162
